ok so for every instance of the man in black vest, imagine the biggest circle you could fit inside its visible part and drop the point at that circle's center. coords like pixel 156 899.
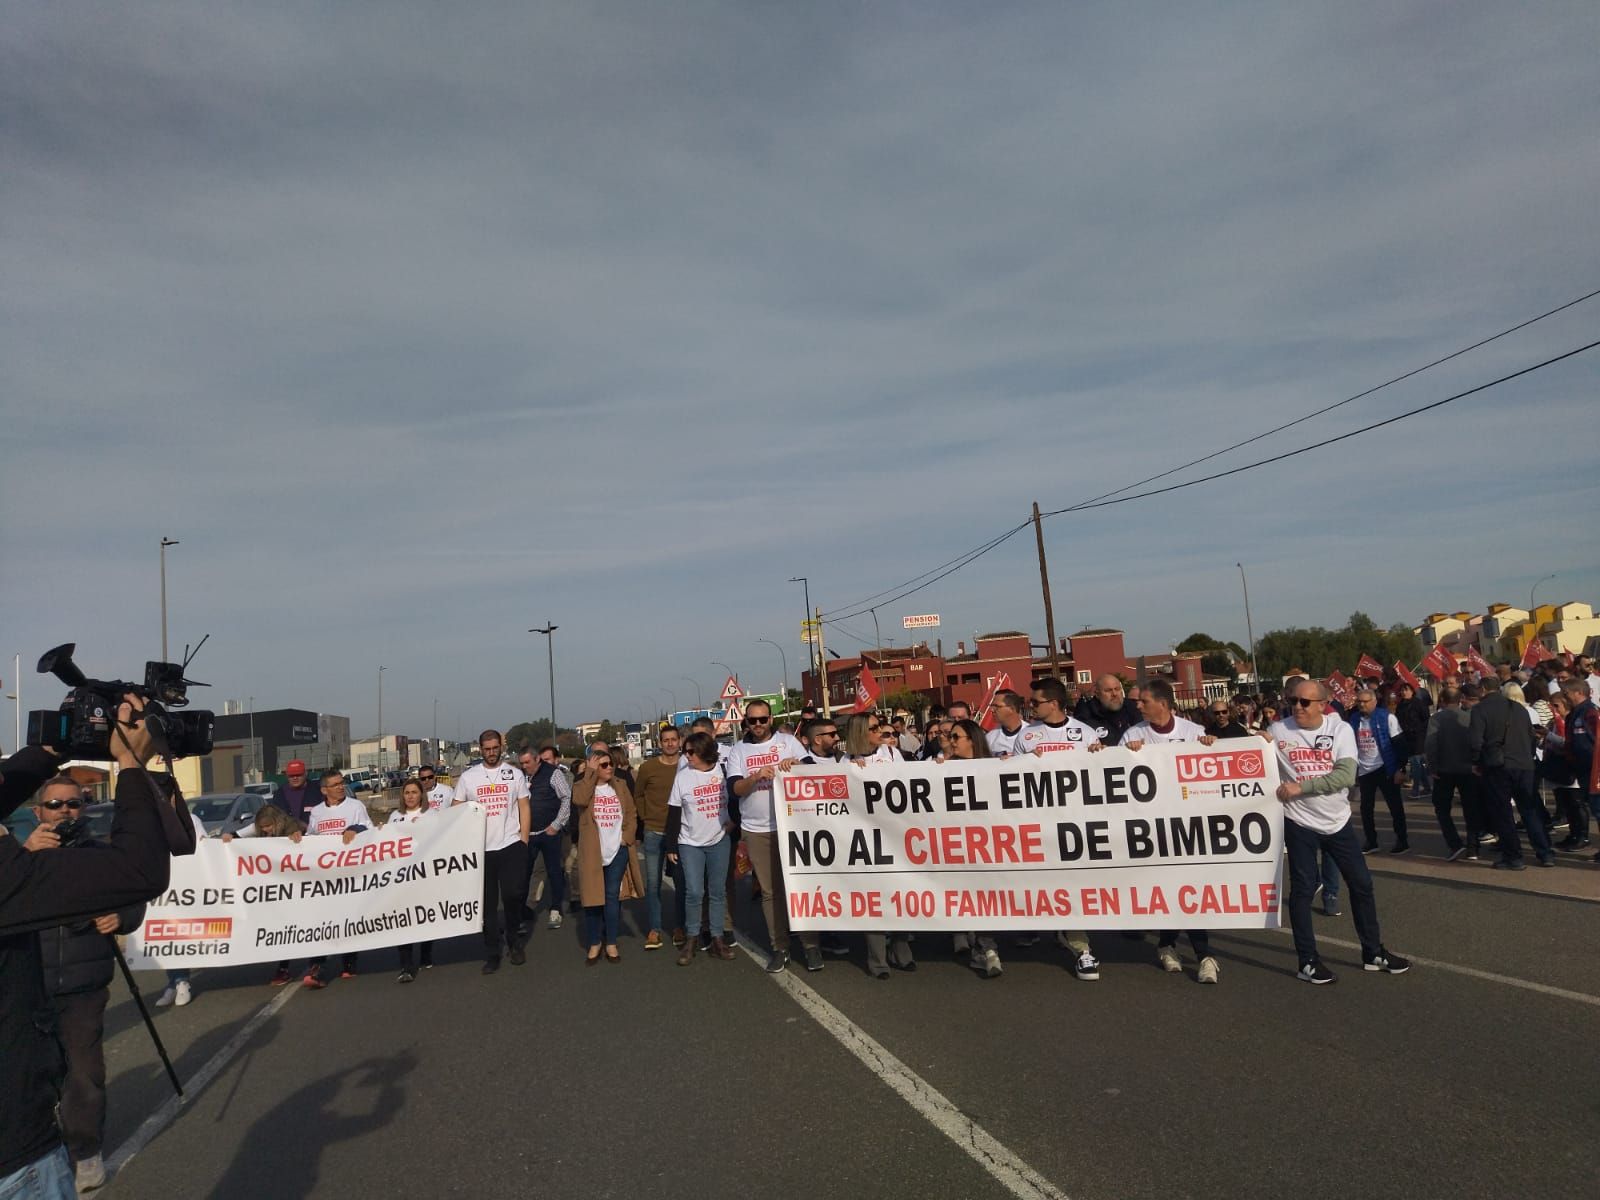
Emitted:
pixel 550 807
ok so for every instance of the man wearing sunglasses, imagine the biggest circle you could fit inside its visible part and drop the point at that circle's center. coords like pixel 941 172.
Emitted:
pixel 753 765
pixel 1317 753
pixel 78 967
pixel 440 795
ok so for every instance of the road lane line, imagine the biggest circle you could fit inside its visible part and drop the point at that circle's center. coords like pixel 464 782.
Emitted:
pixel 1528 985
pixel 157 1121
pixel 1015 1175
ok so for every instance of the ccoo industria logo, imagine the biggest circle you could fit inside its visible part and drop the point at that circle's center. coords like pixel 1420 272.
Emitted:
pixel 825 794
pixel 188 929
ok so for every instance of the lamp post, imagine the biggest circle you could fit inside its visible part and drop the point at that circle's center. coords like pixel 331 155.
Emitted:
pixel 253 740
pixel 549 631
pixel 165 542
pixel 811 646
pixel 785 659
pixel 1534 589
pixel 1249 630
pixel 381 670
pixel 16 677
pixel 674 696
pixel 436 753
pixel 699 697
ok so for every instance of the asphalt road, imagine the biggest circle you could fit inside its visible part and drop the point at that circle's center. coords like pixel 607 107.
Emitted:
pixel 1462 1078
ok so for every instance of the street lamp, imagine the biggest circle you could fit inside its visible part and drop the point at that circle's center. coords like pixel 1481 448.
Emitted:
pixel 699 697
pixel 1534 589
pixel 1249 630
pixel 253 740
pixel 550 650
pixel 17 696
pixel 165 542
pixel 674 696
pixel 381 670
pixel 811 646
pixel 785 658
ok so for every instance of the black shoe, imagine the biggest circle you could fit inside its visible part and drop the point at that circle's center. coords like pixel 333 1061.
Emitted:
pixel 491 965
pixel 1384 961
pixel 1400 848
pixel 405 976
pixel 881 974
pixel 1547 860
pixel 1457 854
pixel 907 967
pixel 1472 852
pixel 778 961
pixel 1315 972
pixel 813 958
pixel 835 945
pixel 1369 848
pixel 728 939
pixel 518 957
pixel 703 942
pixel 1509 864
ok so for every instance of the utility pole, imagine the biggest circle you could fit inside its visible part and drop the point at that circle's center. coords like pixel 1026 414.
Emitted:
pixel 1249 630
pixel 436 727
pixel 16 679
pixel 253 740
pixel 811 646
pixel 1044 582
pixel 381 670
pixel 822 658
pixel 549 631
pixel 165 542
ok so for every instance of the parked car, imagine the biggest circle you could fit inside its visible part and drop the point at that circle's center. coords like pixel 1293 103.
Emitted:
pixel 226 812
pixel 268 789
pixel 363 779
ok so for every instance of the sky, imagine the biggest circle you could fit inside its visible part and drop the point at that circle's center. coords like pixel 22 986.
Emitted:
pixel 418 325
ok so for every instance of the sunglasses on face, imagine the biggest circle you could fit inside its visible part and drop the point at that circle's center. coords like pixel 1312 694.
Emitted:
pixel 58 805
pixel 1304 701
pixel 758 721
pixel 425 778
pixel 602 764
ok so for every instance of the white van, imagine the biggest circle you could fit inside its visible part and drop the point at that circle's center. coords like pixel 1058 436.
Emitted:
pixel 362 779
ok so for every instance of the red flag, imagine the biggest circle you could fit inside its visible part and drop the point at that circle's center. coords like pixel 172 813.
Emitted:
pixel 867 689
pixel 1407 674
pixel 1478 662
pixel 1440 663
pixel 1535 654
pixel 1339 688
pixel 1369 668
pixel 986 717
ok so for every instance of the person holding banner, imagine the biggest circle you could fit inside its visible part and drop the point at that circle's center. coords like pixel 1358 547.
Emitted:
pixel 608 822
pixel 1053 732
pixel 1008 723
pixel 1317 754
pixel 865 746
pixel 1108 712
pixel 968 741
pixel 414 806
pixel 1161 724
pixel 695 842
pixel 342 814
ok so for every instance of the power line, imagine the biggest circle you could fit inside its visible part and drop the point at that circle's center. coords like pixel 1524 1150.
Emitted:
pixel 1482 387
pixel 970 557
pixel 865 604
pixel 1092 503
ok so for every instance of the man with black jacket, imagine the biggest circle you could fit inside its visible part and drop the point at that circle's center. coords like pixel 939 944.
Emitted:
pixel 78 967
pixel 1108 712
pixel 1447 745
pixel 41 891
pixel 1500 734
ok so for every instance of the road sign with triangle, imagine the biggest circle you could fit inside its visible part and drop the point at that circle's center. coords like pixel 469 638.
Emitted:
pixel 731 690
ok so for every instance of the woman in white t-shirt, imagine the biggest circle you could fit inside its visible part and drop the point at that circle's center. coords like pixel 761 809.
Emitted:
pixel 967 740
pixel 606 823
pixel 697 840
pixel 414 806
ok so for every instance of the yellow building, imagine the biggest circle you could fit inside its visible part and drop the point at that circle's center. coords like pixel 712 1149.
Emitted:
pixel 1570 628
pixel 1511 642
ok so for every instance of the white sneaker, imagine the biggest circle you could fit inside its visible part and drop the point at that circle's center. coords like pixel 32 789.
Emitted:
pixel 554 919
pixel 90 1174
pixel 1208 970
pixel 991 964
pixel 1168 958
pixel 184 994
pixel 166 998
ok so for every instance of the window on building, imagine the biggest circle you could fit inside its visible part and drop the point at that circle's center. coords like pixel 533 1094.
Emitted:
pixel 1085 677
pixel 972 678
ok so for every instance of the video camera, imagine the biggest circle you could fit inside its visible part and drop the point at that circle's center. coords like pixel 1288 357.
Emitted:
pixel 81 727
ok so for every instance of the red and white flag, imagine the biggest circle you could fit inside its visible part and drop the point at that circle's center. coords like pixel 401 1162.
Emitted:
pixel 986 717
pixel 1440 663
pixel 1405 673
pixel 1369 668
pixel 1339 688
pixel 1478 662
pixel 867 689
pixel 1536 653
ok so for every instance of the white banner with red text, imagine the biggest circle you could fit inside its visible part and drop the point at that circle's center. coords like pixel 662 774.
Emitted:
pixel 267 899
pixel 1166 837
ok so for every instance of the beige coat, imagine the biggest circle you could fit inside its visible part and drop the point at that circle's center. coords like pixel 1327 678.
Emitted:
pixel 591 872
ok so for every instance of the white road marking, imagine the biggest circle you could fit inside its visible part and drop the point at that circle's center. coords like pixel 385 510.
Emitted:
pixel 1527 985
pixel 1016 1176
pixel 157 1121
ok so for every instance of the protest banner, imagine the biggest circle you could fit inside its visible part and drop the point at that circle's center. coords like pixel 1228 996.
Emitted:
pixel 1369 668
pixel 1406 675
pixel 1440 662
pixel 1535 654
pixel 1166 837
pixel 1479 663
pixel 1341 689
pixel 265 899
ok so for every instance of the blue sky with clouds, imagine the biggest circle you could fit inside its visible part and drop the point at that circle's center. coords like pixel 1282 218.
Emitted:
pixel 419 325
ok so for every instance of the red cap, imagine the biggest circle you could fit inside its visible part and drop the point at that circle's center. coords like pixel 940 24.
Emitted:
pixel 294 767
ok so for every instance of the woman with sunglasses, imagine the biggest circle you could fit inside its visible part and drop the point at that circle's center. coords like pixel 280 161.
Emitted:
pixel 697 839
pixel 863 742
pixel 607 822
pixel 966 741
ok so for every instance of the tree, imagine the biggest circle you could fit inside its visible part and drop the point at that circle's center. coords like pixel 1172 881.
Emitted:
pixel 793 700
pixel 1218 658
pixel 529 735
pixel 905 698
pixel 1320 651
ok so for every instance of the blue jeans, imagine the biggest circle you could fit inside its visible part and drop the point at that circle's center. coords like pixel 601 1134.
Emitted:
pixel 655 863
pixel 553 848
pixel 46 1178
pixel 1330 879
pixel 1344 848
pixel 704 871
pixel 608 919
pixel 1418 767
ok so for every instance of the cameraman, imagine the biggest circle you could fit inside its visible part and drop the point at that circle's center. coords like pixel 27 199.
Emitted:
pixel 78 965
pixel 41 891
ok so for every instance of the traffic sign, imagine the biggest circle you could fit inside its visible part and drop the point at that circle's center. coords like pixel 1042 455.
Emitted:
pixel 731 690
pixel 808 632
